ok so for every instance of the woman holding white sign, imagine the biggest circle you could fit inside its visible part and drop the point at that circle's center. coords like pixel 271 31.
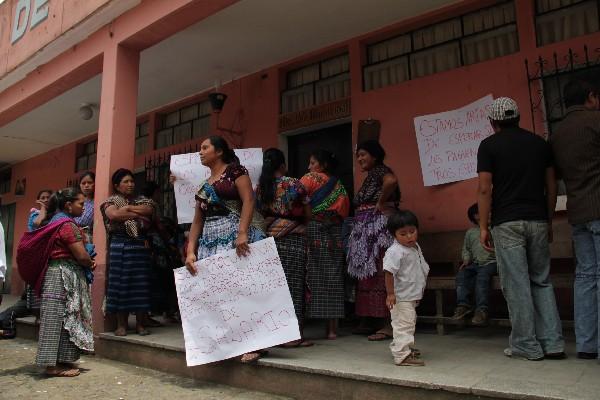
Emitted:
pixel 328 205
pixel 224 217
pixel 282 201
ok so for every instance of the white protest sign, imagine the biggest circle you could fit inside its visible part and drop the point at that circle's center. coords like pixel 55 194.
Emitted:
pixel 448 142
pixel 190 173
pixel 235 305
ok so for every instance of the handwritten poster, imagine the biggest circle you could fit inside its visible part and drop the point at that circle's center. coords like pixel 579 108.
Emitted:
pixel 235 305
pixel 448 142
pixel 190 173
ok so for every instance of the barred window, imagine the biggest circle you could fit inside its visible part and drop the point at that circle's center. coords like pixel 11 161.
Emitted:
pixel 86 156
pixel 141 138
pixel 317 83
pixel 471 38
pixel 184 124
pixel 558 20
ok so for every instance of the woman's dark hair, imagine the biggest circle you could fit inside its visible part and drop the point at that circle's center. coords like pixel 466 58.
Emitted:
pixel 374 149
pixel 474 209
pixel 119 174
pixel 576 92
pixel 327 160
pixel 228 155
pixel 86 174
pixel 401 219
pixel 43 191
pixel 58 201
pixel 273 159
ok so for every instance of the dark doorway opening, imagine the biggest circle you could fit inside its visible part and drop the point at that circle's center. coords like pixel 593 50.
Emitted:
pixel 337 139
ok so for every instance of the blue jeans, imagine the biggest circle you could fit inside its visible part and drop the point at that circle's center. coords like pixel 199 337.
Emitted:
pixel 586 238
pixel 475 277
pixel 523 256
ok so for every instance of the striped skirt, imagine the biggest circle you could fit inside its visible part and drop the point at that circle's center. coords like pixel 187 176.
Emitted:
pixel 129 275
pixel 293 255
pixel 66 315
pixel 325 271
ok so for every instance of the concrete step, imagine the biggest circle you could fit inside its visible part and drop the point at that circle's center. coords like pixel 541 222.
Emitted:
pixel 465 364
pixel 272 376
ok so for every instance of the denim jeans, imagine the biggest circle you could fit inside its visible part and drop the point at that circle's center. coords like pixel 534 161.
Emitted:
pixel 523 256
pixel 475 277
pixel 586 238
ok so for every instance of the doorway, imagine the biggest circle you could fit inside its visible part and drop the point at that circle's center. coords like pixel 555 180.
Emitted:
pixel 7 218
pixel 336 139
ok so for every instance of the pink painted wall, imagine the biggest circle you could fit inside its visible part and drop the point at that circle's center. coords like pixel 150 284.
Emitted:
pixel 62 16
pixel 253 107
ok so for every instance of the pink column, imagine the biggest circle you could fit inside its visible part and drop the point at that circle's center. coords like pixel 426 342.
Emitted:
pixel 116 148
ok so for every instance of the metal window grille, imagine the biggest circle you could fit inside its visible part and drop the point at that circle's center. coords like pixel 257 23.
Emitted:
pixel 471 38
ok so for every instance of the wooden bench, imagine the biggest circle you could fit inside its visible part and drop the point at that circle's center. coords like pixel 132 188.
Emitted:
pixel 441 283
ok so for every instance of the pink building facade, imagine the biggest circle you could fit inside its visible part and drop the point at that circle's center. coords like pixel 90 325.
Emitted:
pixel 296 76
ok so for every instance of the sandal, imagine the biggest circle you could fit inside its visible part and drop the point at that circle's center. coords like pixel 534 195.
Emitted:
pixel 251 358
pixel 378 336
pixel 296 343
pixel 63 373
pixel 121 332
pixel 143 332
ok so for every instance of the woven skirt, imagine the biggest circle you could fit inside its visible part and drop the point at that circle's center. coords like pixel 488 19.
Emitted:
pixel 292 252
pixel 65 320
pixel 129 275
pixel 219 234
pixel 325 270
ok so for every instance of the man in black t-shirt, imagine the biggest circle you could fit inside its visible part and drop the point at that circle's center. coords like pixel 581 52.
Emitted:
pixel 517 184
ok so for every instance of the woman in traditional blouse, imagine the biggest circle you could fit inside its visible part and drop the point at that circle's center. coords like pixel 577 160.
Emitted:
pixel 282 201
pixel 86 221
pixel 127 219
pixel 378 196
pixel 328 205
pixel 224 216
pixel 66 312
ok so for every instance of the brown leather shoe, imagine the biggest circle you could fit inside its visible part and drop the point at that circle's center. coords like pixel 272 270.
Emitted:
pixel 480 318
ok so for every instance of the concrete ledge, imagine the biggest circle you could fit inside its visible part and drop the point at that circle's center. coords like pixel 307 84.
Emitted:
pixel 268 375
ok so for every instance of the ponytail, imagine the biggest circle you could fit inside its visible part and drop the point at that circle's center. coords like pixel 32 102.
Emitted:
pixel 228 155
pixel 326 159
pixel 59 200
pixel 273 159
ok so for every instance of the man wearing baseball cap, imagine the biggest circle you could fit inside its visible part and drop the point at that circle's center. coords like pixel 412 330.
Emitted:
pixel 517 184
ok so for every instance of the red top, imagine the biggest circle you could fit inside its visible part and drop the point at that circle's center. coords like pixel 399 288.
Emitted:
pixel 68 233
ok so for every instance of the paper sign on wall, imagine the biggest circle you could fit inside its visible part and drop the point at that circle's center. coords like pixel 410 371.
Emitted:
pixel 190 173
pixel 235 305
pixel 448 142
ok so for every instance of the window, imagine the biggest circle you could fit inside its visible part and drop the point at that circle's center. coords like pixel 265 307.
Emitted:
pixel 317 83
pixel 5 180
pixel 141 138
pixel 469 39
pixel 558 20
pixel 87 156
pixel 187 123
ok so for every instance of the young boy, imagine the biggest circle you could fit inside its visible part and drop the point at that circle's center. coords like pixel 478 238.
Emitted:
pixel 477 268
pixel 405 278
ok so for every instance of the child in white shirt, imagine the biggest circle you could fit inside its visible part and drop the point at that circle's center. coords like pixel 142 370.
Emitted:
pixel 405 279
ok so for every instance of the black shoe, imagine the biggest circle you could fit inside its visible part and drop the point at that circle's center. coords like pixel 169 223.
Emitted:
pixel 587 356
pixel 555 356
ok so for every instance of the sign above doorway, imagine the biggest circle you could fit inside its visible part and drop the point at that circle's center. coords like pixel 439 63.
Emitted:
pixel 315 115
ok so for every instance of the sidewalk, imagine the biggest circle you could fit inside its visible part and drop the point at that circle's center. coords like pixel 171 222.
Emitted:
pixel 103 379
pixel 468 361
